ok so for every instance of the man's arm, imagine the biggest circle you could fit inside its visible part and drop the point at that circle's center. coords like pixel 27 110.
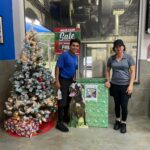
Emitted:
pixel 57 77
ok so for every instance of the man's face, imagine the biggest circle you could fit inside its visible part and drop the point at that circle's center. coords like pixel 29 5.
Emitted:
pixel 74 47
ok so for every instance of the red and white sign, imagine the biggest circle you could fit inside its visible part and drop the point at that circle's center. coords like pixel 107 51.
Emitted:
pixel 63 37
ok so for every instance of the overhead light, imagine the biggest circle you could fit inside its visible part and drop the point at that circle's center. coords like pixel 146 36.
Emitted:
pixel 118 12
pixel 97 2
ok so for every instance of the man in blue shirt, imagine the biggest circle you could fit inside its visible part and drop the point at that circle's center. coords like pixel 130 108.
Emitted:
pixel 65 72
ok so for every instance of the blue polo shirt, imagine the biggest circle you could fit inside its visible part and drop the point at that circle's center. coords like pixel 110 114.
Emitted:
pixel 67 63
pixel 120 69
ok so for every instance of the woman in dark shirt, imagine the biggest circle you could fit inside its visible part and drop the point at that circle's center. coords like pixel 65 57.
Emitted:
pixel 121 83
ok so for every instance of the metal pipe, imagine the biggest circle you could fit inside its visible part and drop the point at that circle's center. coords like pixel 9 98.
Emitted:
pixel 116 24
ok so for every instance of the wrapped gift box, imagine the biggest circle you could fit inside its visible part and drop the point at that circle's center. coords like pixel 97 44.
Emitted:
pixel 96 102
pixel 22 127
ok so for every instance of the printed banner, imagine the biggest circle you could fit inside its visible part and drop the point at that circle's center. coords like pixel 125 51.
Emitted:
pixel 63 37
pixel 91 92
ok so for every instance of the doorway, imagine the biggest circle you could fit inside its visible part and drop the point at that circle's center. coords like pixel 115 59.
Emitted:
pixel 93 58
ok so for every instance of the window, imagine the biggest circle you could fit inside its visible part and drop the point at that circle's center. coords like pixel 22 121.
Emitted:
pixel 101 22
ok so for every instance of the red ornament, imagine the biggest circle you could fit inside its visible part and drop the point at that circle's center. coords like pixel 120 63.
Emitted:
pixel 40 79
pixel 43 86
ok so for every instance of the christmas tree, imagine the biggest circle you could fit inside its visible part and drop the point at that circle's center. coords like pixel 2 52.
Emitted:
pixel 33 93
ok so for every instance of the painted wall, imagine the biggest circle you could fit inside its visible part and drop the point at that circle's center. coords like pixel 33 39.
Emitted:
pixel 13 15
pixel 7 50
pixel 13 23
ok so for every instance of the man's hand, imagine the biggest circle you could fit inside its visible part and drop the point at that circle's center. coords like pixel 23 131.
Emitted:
pixel 57 84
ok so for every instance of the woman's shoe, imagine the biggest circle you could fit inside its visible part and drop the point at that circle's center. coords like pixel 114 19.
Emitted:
pixel 123 128
pixel 117 125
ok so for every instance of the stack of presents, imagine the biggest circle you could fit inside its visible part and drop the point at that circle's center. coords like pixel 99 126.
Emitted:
pixel 22 127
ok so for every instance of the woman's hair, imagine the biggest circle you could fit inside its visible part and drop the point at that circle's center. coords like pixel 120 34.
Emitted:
pixel 118 42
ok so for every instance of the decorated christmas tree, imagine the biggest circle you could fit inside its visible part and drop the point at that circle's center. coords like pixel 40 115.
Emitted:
pixel 33 94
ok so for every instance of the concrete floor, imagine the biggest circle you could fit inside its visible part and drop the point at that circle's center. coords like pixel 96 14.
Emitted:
pixel 137 138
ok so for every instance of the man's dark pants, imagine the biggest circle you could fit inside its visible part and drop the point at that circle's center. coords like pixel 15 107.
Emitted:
pixel 63 105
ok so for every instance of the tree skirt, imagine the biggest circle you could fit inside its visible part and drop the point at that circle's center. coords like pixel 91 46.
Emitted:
pixel 43 128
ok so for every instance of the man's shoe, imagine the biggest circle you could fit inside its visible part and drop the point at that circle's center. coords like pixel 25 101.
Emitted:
pixel 123 128
pixel 66 120
pixel 117 125
pixel 60 126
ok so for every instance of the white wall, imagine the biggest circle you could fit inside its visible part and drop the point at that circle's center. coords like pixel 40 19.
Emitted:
pixel 19 27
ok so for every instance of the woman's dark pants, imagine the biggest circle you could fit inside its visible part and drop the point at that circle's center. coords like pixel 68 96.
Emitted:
pixel 121 98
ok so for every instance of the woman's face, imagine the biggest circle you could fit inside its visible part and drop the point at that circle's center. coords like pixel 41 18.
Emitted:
pixel 119 49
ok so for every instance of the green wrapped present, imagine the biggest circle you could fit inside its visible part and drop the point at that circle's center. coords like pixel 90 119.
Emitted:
pixel 96 102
